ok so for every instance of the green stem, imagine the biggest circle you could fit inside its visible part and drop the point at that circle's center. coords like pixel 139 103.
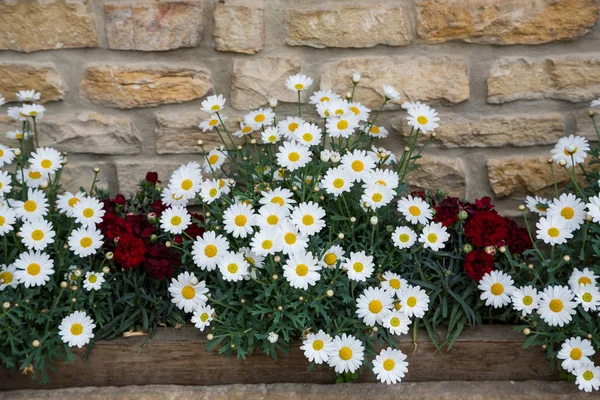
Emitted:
pixel 299 106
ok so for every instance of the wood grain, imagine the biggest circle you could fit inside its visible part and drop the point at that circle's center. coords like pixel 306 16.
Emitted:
pixel 179 357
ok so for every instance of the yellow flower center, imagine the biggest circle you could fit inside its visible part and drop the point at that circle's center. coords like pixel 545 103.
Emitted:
pixel 2 220
pixel 37 234
pixel 338 183
pixel 187 184
pixel 570 152
pixel 267 244
pixel 375 130
pixel 212 192
pixel 213 159
pixel 85 242
pixel 73 201
pixel 375 306
pixel 377 197
pixel 576 354
pixel 33 269
pixel 1 153
pixel 76 329
pixel 567 213
pixel 176 220
pixel 411 301
pixel 587 297
pixel 421 119
pixel 92 279
pixel 30 206
pixel 232 268
pixel 497 289
pixel 358 165
pixel 301 270
pixel 588 375
pixel 397 305
pixel 298 86
pixel 35 174
pixel 307 137
pixel 527 300
pixel 553 232
pixel 277 200
pixel 345 353
pixel 246 129
pixel 293 156
pixel 293 126
pixel 414 211
pixel 394 283
pixel 204 317
pixel 556 305
pixel 330 259
pixel 342 124
pixel 318 345
pixel 272 219
pixel 259 118
pixel 324 99
pixel 358 267
pixel 404 237
pixel 46 164
pixel 432 238
pixel 395 322
pixel 213 122
pixel 241 220
pixel 584 280
pixel 6 277
pixel 88 213
pixel 308 220
pixel 188 292
pixel 290 238
pixel 389 364
pixel 210 250
pixel 216 107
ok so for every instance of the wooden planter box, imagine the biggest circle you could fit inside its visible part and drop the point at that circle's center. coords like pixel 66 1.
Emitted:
pixel 179 357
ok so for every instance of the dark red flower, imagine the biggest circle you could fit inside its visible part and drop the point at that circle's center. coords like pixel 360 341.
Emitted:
pixel 477 264
pixel 486 228
pixel 161 261
pixel 114 227
pixel 447 211
pixel 140 226
pixel 120 199
pixel 158 207
pixel 129 251
pixel 195 230
pixel 152 177
pixel 518 239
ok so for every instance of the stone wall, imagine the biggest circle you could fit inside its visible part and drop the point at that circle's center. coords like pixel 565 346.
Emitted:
pixel 123 79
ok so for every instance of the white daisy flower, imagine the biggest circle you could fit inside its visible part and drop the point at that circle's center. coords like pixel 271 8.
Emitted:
pixel 186 180
pixel 383 156
pixel 375 131
pixel 383 177
pixel 270 135
pixel 210 123
pixel 346 354
pixel 233 267
pixel 202 317
pixel 342 126
pixel 34 268
pixel 213 104
pixel 571 149
pixel 271 216
pixel 323 96
pixel 537 204
pixel 390 93
pixel 588 297
pixel 588 377
pixel 575 353
pixel 76 329
pixel 317 347
pixel 557 305
pixel 593 207
pixel 18 135
pixel 396 322
pixel 5 183
pixel 336 181
pixel 308 218
pixel 266 242
pixel 37 234
pixel 415 210
pixel 496 288
pixel 244 130
pixel 390 366
pixel 33 179
pixel 85 241
pixel 8 218
pixel 393 283
pixel 214 159
pixel 175 220
pixel 7 277
pixel 292 156
pixel 359 164
pixel 298 82
pixel 66 202
pixel 171 199
pixel 93 281
pixel 373 304
pixel 308 134
pixel 332 256
pixel 553 230
pixel 423 117
pixel 360 111
pixel 239 220
pixel 288 126
pixel 584 277
pixel 336 108
pixel 434 236
pixel 187 293
pixel 292 240
pixel 36 111
pixel 46 160
pixel 15 113
pixel 403 237
pixel 35 207
pixel 595 103
pixel 414 301
pixel 210 191
pixel 525 299
pixel 6 156
pixel 208 249
pixel 254 260
pixel 28 96
pixel 377 196
pixel 570 208
pixel 302 270
pixel 359 265
pixel 281 196
pixel 89 211
pixel 259 118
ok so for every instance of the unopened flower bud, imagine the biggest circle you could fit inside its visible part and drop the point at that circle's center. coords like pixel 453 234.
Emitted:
pixel 152 218
pixel 6 305
pixel 273 103
pixel 277 259
pixel 243 301
pixel 406 149
pixel 566 258
pixel 109 255
pixel 322 197
pixel 153 238
pixel 521 207
pixel 353 219
pixel 462 215
pixel 502 249
pixel 274 277
pixel 301 298
pixel 467 248
pixel 491 250
pixel 348 96
pixel 168 243
pixel 194 280
pixel 592 113
pixel 280 308
pixel 64 284
pixel 562 163
pixel 44 185
pixel 105 269
pixel 526 331
pixel 375 329
pixel 589 336
pixel 253 141
pixel 588 218
pixel 77 273
pixel 330 293
pixel 374 220
pixel 210 336
pixel 530 266
pixel 239 147
pixel 74 288
pixel 355 77
pixel 73 300
pixel 200 142
pixel 36 343
pixel 550 160
pixel 17 152
pixel 340 235
pixel 544 346
pixel 96 170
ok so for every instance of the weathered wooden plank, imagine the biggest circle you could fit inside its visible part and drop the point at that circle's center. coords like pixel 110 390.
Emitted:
pixel 179 357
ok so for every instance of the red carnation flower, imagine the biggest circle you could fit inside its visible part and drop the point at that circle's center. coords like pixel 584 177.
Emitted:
pixel 478 263
pixel 152 177
pixel 518 238
pixel 486 228
pixel 195 230
pixel 447 211
pixel 114 227
pixel 161 262
pixel 158 207
pixel 140 226
pixel 120 199
pixel 129 252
